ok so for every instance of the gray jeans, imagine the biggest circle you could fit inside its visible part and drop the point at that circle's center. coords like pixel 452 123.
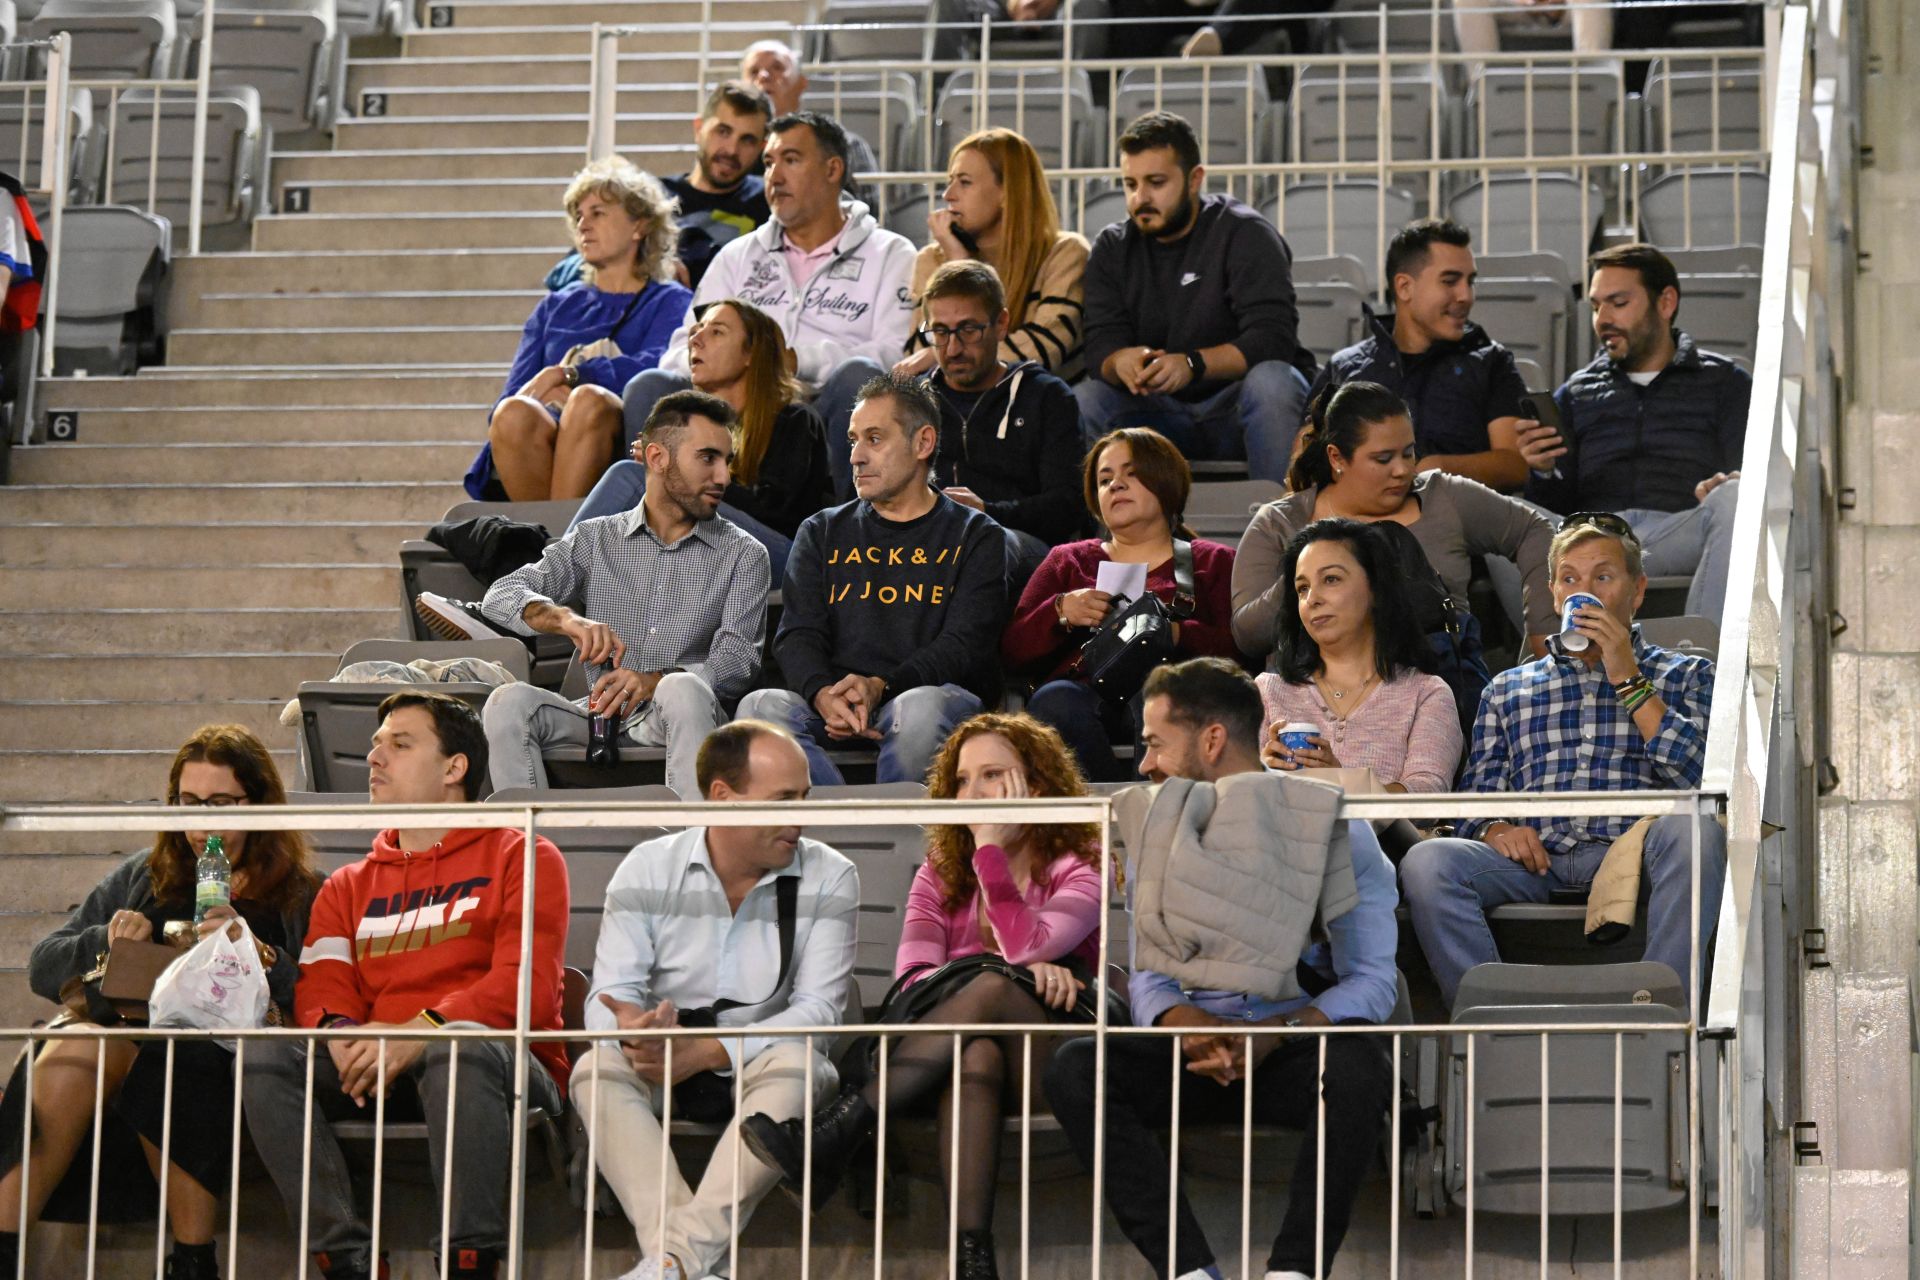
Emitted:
pixel 524 720
pixel 275 1092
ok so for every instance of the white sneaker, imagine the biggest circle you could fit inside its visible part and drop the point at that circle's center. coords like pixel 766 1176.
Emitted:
pixel 1204 43
pixel 652 1269
pixel 453 619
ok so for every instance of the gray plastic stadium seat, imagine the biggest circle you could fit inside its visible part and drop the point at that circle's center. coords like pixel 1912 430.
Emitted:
pixel 897 29
pixel 1528 317
pixel 1723 313
pixel 1680 109
pixel 283 48
pixel 1318 133
pixel 1545 111
pixel 335 849
pixel 1533 375
pixel 113 275
pixel 235 154
pixel 1506 1095
pixel 887 858
pixel 112 39
pixel 1684 634
pixel 1332 316
pixel 1355 25
pixel 9 22
pixel 22 132
pixel 1725 260
pixel 1102 209
pixel 1513 213
pixel 1705 208
pixel 1027 99
pixel 1228 108
pixel 1351 218
pixel 337 721
pixel 1220 511
pixel 906 211
pixel 1336 268
pixel 881 106
pixel 426 566
pixel 369 17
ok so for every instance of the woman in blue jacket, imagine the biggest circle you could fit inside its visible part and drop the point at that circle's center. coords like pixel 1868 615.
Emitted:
pixel 557 423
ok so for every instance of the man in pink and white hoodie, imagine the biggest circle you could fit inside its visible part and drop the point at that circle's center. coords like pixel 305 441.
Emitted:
pixel 836 282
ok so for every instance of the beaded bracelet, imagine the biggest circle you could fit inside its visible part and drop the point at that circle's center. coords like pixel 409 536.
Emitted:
pixel 1633 700
pixel 1627 688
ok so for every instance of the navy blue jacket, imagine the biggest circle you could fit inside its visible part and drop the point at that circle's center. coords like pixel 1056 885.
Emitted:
pixel 1022 458
pixel 1631 447
pixel 1453 388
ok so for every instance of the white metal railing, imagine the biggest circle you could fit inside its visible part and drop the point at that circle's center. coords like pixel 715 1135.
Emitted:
pixel 556 819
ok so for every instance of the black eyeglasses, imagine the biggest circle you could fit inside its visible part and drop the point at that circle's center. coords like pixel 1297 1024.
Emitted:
pixel 1604 521
pixel 968 333
pixel 210 802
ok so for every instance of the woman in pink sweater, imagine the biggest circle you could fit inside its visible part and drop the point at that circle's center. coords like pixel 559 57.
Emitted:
pixel 1026 897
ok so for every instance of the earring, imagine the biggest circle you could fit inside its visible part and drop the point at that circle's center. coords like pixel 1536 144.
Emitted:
pixel 1338 472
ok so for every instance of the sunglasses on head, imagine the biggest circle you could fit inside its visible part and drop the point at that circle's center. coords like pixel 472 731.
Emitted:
pixel 1604 521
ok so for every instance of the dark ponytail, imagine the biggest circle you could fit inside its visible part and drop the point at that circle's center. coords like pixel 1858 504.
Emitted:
pixel 1338 417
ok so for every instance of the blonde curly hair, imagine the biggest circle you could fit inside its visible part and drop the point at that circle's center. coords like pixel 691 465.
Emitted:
pixel 620 181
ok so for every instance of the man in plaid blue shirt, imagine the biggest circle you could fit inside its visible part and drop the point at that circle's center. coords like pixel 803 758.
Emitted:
pixel 1622 715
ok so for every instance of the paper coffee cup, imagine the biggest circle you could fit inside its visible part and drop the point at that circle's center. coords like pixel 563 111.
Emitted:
pixel 1572 639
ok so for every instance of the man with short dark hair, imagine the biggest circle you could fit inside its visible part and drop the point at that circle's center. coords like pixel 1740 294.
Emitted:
pixel 1654 427
pixel 666 605
pixel 423 933
pixel 722 196
pixel 1619 715
pixel 834 280
pixel 1259 855
pixel 1461 385
pixel 1192 326
pixel 1010 441
pixel 893 602
pixel 744 929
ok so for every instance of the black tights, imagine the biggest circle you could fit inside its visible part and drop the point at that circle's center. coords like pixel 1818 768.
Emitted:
pixel 919 1067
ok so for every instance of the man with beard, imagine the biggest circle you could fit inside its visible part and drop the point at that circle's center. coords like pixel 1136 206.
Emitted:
pixel 666 605
pixel 1462 386
pixel 1654 427
pixel 1191 323
pixel 722 197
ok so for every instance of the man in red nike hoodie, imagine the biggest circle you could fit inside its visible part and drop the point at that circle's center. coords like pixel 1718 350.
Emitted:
pixel 424 932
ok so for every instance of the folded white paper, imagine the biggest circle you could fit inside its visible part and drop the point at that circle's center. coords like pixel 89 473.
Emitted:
pixel 1129 580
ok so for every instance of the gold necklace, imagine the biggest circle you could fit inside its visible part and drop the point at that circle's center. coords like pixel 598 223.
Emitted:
pixel 1338 694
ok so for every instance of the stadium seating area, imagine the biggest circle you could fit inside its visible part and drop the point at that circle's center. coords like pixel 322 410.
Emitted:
pixel 244 446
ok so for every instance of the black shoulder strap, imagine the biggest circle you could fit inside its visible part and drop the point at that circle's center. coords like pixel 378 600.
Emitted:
pixel 1185 601
pixel 786 891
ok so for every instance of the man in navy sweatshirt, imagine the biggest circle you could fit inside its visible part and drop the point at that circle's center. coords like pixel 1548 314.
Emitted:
pixel 1191 323
pixel 893 603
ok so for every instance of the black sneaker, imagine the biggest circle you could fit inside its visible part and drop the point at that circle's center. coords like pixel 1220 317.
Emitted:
pixel 343 1270
pixel 482 1263
pixel 192 1265
pixel 453 619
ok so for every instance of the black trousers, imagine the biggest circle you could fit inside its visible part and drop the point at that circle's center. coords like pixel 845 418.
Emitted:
pixel 1359 1079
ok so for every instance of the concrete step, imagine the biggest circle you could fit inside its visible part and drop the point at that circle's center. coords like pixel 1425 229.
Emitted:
pixel 305 271
pixel 266 586
pixel 128 725
pixel 665 129
pixel 638 68
pixel 446 195
pixel 292 169
pixel 164 504
pixel 311 388
pixel 147 675
pixel 686 14
pixel 97 776
pixel 50 882
pixel 244 424
pixel 547 41
pixel 532 99
pixel 82 545
pixel 239 630
pixel 266 463
pixel 483 344
pixel 415 231
pixel 358 310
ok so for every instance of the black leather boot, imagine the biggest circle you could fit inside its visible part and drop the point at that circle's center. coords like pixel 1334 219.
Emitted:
pixel 839 1130
pixel 976 1257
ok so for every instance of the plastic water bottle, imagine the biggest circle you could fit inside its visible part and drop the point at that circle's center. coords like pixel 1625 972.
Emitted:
pixel 212 879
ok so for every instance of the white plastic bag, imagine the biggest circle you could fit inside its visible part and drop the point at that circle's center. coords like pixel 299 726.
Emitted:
pixel 218 985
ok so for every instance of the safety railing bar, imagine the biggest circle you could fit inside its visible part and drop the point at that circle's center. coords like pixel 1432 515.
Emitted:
pixel 522 1055
pixel 23 1225
pixel 93 1180
pixel 166 1156
pixel 233 1157
pixel 446 1161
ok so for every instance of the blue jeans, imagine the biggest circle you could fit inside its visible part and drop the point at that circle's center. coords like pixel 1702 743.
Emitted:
pixel 1087 723
pixel 1450 885
pixel 1697 541
pixel 622 485
pixel 912 727
pixel 1255 418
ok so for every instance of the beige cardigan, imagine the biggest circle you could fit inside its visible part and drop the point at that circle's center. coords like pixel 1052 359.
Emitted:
pixel 1051 335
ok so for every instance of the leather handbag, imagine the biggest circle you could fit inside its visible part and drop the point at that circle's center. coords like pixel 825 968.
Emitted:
pixel 1137 637
pixel 118 987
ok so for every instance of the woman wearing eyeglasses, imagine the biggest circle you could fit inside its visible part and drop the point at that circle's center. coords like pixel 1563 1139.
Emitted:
pixel 150 898
pixel 1355 459
pixel 737 352
pixel 997 209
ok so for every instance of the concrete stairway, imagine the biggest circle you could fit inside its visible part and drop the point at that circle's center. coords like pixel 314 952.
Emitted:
pixel 226 525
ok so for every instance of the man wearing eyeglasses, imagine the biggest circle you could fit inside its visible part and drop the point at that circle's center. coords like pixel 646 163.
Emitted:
pixel 1009 433
pixel 1604 711
pixel 1654 427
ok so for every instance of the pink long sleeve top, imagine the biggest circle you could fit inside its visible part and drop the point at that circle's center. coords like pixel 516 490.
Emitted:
pixel 1057 916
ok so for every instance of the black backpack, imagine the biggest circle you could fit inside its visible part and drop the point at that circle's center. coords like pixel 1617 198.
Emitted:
pixel 1452 632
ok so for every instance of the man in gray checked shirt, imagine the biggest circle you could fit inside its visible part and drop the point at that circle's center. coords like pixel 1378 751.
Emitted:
pixel 666 604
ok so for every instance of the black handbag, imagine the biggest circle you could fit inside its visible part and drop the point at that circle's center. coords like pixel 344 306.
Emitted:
pixel 706 1097
pixel 1138 635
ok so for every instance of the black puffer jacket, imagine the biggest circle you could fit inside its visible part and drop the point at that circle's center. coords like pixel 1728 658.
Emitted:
pixel 1630 446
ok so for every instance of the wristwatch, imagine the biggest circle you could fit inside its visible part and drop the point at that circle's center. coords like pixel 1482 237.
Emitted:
pixel 1197 363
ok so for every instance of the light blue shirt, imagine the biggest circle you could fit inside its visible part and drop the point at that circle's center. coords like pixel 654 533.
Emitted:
pixel 1357 956
pixel 668 934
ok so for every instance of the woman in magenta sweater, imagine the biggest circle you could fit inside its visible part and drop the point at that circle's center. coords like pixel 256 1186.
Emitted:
pixel 1019 909
pixel 1136 484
